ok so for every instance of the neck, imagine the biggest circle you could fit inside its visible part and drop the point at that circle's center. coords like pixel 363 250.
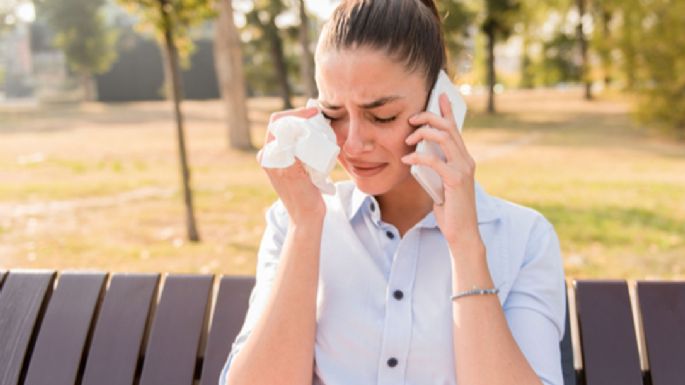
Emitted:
pixel 405 205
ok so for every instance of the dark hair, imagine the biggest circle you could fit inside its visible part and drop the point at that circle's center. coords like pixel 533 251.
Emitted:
pixel 408 30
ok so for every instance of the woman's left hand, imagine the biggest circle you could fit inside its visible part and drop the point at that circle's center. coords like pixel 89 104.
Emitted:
pixel 457 216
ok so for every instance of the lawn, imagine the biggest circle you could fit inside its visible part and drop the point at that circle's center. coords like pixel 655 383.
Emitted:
pixel 96 186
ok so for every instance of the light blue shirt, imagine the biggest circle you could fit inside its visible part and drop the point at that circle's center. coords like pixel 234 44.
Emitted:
pixel 384 314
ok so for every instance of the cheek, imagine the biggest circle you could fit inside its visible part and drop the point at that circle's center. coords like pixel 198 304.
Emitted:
pixel 340 134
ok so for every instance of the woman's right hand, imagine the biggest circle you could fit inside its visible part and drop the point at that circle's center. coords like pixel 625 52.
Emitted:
pixel 299 195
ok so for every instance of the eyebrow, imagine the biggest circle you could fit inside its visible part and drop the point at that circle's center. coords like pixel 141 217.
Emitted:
pixel 368 106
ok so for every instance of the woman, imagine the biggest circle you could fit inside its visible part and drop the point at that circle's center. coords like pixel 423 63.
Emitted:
pixel 376 284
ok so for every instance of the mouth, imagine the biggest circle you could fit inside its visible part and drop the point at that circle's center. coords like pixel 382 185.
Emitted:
pixel 367 169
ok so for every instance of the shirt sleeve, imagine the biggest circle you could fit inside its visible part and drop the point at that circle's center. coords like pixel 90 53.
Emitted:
pixel 535 308
pixel 267 264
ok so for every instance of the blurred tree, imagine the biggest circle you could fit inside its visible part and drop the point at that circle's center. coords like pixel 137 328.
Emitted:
pixel 81 33
pixel 456 20
pixel 171 21
pixel 558 64
pixel 307 59
pixel 603 41
pixel 530 26
pixel 661 62
pixel 581 6
pixel 500 16
pixel 262 19
pixel 228 61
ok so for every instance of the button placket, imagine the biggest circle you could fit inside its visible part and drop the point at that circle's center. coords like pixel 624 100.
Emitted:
pixel 398 317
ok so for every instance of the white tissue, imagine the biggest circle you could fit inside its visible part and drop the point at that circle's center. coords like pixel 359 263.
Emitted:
pixel 312 141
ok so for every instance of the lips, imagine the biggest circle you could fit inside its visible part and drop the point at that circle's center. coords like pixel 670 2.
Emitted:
pixel 366 169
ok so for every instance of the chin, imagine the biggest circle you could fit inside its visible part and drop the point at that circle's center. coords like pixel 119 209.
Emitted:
pixel 380 184
pixel 371 187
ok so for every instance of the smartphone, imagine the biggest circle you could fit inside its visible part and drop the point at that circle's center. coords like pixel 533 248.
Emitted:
pixel 427 178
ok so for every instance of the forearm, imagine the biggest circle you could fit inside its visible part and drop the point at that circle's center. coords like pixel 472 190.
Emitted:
pixel 280 349
pixel 485 350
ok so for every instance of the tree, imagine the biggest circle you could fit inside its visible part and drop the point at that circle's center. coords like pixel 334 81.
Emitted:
pixel 228 61
pixel 497 24
pixel 307 59
pixel 171 21
pixel 583 48
pixel 81 33
pixel 262 18
pixel 660 78
pixel 456 19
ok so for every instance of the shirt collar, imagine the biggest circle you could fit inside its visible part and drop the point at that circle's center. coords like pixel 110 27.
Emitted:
pixel 486 209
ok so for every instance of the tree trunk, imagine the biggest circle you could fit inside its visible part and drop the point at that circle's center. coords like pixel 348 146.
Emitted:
pixel 307 60
pixel 89 87
pixel 606 36
pixel 490 32
pixel 279 61
pixel 584 65
pixel 176 88
pixel 628 47
pixel 228 61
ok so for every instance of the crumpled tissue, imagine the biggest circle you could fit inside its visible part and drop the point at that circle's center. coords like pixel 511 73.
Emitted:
pixel 312 141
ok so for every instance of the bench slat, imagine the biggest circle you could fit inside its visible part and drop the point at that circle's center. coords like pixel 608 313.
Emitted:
pixel 566 347
pixel 607 333
pixel 229 315
pixel 62 338
pixel 120 328
pixel 21 301
pixel 180 319
pixel 663 316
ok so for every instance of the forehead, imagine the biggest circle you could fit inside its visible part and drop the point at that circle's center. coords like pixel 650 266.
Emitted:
pixel 364 74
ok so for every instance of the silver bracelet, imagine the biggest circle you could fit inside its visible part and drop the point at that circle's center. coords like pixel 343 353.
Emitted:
pixel 475 291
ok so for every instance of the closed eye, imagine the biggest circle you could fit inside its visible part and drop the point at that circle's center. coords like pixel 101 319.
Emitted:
pixel 332 119
pixel 384 120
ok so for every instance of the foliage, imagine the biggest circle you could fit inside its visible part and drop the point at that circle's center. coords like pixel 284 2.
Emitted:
pixel 183 15
pixel 81 33
pixel 662 64
pixel 456 19
pixel 558 64
pixel 259 29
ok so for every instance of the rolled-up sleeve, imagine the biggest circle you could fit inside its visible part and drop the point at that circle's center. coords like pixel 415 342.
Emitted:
pixel 535 308
pixel 267 264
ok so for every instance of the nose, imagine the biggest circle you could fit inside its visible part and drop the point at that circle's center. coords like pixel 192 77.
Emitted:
pixel 359 138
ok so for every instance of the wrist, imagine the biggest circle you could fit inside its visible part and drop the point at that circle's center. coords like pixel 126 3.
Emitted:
pixel 470 268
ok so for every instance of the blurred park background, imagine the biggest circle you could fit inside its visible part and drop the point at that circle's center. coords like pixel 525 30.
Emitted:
pixel 128 128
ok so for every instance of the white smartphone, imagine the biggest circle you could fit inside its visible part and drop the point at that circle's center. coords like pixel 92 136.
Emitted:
pixel 427 178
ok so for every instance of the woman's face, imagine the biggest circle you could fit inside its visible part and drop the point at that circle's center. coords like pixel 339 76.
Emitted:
pixel 369 98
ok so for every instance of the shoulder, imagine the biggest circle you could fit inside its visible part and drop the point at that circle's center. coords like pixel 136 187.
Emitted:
pixel 523 233
pixel 521 220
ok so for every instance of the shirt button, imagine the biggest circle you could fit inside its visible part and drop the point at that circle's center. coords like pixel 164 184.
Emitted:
pixel 392 362
pixel 390 234
pixel 398 294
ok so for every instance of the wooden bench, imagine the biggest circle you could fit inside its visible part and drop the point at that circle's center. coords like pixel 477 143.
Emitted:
pixel 81 328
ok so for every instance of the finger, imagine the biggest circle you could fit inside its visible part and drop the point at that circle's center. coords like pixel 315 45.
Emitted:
pixel 431 119
pixel 447 123
pixel 442 138
pixel 428 160
pixel 448 113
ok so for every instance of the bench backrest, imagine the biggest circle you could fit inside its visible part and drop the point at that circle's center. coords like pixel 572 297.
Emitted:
pixel 148 329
